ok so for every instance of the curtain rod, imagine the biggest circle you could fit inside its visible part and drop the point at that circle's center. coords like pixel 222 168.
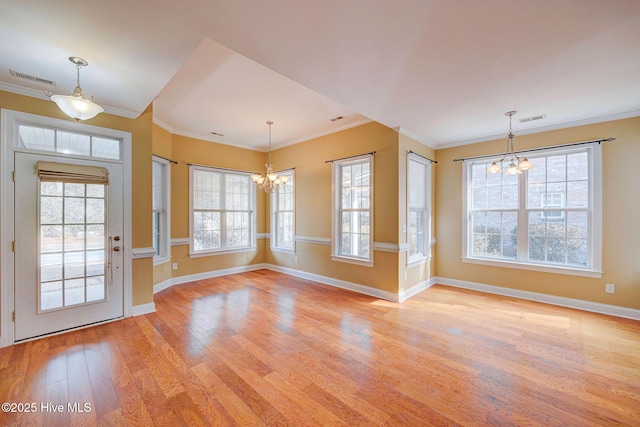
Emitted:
pixel 164 158
pixel 218 167
pixel 351 157
pixel 420 155
pixel 231 170
pixel 599 141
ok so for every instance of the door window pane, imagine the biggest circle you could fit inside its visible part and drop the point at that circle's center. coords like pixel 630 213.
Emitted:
pixel 72 244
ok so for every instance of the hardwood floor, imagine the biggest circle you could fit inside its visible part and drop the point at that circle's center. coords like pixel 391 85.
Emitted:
pixel 264 348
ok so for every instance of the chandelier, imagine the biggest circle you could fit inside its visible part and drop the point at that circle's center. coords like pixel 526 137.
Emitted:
pixel 516 165
pixel 75 105
pixel 269 182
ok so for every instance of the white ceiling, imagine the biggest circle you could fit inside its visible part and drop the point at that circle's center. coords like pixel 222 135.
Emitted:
pixel 444 72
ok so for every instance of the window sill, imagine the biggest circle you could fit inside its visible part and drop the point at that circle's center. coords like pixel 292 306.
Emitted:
pixel 356 261
pixel 222 252
pixel 535 267
pixel 161 260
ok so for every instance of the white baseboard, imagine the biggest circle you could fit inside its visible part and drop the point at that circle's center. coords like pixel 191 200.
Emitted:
pixel 141 309
pixel 595 307
pixel 206 275
pixel 342 284
pixel 162 286
pixel 416 289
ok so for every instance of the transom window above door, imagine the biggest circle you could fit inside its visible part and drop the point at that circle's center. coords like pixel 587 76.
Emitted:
pixel 40 138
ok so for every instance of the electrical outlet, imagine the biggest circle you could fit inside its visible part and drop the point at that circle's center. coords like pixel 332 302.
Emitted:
pixel 610 288
pixel 295 258
pixel 175 265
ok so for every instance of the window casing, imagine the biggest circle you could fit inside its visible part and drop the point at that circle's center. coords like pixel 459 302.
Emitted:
pixel 418 208
pixel 222 209
pixel 283 215
pixel 545 219
pixel 352 239
pixel 161 191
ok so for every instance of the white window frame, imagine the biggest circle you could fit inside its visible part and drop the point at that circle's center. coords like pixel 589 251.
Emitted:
pixel 164 213
pixel 252 213
pixel 336 202
pixel 426 213
pixel 594 250
pixel 275 244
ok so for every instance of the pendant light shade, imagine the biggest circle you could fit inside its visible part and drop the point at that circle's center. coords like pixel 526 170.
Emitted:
pixel 76 105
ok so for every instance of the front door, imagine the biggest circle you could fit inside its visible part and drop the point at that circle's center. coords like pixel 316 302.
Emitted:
pixel 68 247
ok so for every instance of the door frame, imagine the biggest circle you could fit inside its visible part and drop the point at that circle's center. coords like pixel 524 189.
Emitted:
pixel 9 124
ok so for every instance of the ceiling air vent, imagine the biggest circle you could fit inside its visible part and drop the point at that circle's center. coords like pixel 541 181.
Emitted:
pixel 32 78
pixel 533 118
pixel 335 119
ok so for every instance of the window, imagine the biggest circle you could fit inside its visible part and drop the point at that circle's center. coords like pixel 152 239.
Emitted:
pixel 353 210
pixel 160 207
pixel 547 219
pixel 282 215
pixel 222 211
pixel 69 143
pixel 418 208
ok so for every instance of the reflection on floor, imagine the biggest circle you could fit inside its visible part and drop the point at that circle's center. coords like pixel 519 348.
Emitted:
pixel 266 348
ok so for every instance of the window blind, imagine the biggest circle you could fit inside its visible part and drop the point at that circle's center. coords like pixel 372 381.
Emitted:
pixel 65 172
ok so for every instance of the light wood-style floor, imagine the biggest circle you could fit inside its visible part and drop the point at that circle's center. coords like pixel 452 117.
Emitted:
pixel 264 348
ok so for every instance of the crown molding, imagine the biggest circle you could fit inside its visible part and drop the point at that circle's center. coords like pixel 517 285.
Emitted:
pixel 557 126
pixel 325 133
pixel 416 137
pixel 217 140
pixel 39 94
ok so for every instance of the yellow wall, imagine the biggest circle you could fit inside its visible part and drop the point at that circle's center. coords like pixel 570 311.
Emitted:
pixel 161 142
pixel 140 128
pixel 313 202
pixel 188 150
pixel 313 206
pixel 621 228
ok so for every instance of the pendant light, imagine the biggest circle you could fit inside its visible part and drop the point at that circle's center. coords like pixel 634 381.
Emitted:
pixel 76 105
pixel 516 166
pixel 269 182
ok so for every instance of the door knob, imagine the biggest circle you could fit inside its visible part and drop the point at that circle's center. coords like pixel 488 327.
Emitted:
pixel 116 248
pixel 117 238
